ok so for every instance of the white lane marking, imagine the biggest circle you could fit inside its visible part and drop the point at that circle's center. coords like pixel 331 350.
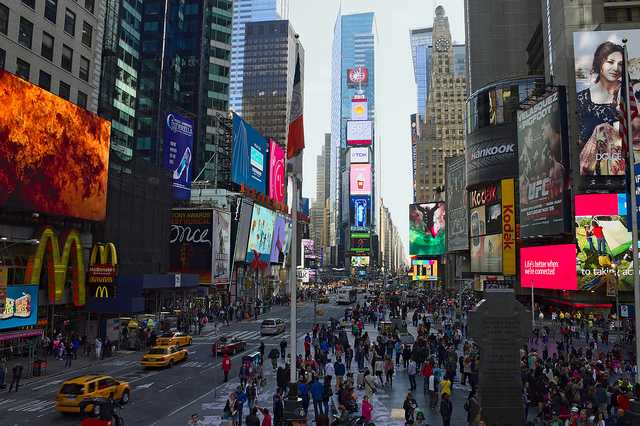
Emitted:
pixel 54 382
pixel 145 386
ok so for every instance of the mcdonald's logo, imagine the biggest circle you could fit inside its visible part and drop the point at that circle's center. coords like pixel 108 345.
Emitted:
pixel 102 292
pixel 58 264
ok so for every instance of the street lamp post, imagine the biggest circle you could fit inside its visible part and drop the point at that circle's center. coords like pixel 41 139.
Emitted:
pixel 533 308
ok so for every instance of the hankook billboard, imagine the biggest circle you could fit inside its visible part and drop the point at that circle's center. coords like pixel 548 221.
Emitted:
pixel 491 155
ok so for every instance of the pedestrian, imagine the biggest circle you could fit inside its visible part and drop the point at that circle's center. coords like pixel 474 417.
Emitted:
pixel 446 410
pixel 340 370
pixel 472 406
pixel 3 372
pixel 283 348
pixel 194 420
pixel 411 371
pixel 433 391
pixel 366 410
pixel 16 376
pixel 409 406
pixel 388 371
pixel 226 366
pixel 317 394
pixel 278 408
pixel 252 419
pixel 68 355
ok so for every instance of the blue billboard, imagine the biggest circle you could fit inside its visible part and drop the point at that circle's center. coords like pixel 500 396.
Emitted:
pixel 178 143
pixel 20 307
pixel 360 211
pixel 249 158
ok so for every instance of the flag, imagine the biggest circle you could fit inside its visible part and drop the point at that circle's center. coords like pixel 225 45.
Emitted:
pixel 359 109
pixel 627 88
pixel 295 137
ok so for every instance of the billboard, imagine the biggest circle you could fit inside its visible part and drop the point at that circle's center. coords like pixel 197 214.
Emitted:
pixel 424 270
pixel 360 242
pixel 598 72
pixel 359 261
pixel 278 246
pixel 54 155
pixel 489 158
pixel 550 267
pixel 508 227
pixel 359 154
pixel 20 307
pixel 427 229
pixel 178 144
pixel 486 253
pixel 360 179
pixel 308 249
pixel 542 155
pixel 242 234
pixel 261 233
pixel 457 209
pixel 357 76
pixel 249 156
pixel 359 132
pixel 191 242
pixel 361 211
pixel 603 240
pixel 221 247
pixel 276 172
pixel 359 109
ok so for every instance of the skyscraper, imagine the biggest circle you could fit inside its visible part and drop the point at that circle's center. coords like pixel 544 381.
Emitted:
pixel 421 40
pixel 271 51
pixel 354 40
pixel 248 11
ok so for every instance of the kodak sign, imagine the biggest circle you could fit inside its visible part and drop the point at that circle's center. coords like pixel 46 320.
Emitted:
pixel 508 228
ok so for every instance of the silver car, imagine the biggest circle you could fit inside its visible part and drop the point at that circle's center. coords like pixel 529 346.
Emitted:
pixel 272 326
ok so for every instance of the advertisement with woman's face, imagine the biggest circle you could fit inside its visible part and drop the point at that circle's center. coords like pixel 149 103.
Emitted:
pixel 599 62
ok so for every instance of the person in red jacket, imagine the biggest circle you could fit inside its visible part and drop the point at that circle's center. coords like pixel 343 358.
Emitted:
pixel 226 366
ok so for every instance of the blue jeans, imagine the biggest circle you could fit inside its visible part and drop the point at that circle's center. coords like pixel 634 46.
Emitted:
pixel 591 246
pixel 602 248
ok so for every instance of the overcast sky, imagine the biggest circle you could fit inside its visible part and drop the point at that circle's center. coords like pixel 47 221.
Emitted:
pixel 395 87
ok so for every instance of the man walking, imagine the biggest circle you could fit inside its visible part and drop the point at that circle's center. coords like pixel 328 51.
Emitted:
pixel 411 371
pixel 446 409
pixel 17 374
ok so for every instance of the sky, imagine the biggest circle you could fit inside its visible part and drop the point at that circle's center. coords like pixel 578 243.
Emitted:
pixel 396 100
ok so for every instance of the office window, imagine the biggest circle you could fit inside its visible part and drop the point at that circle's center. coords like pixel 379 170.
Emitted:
pixel 84 68
pixel 82 99
pixel 4 19
pixel 30 3
pixel 44 80
pixel 87 34
pixel 51 10
pixel 3 58
pixel 70 22
pixel 25 33
pixel 64 90
pixel 89 5
pixel 67 58
pixel 23 68
pixel 47 46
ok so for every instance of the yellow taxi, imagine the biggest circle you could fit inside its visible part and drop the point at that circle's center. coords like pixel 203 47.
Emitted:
pixel 174 338
pixel 164 356
pixel 74 391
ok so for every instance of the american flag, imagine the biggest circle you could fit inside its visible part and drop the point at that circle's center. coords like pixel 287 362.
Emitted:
pixel 633 105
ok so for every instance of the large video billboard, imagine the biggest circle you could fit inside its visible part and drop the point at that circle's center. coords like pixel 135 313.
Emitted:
pixel 359 109
pixel 486 253
pixel 249 157
pixel 357 76
pixel 276 171
pixel 603 240
pixel 54 155
pixel 427 229
pixel 360 242
pixel 550 267
pixel 360 179
pixel 242 233
pixel 278 245
pixel 359 132
pixel 361 211
pixel 178 144
pixel 221 247
pixel 191 236
pixel 359 154
pixel 359 261
pixel 20 307
pixel 424 269
pixel 598 72
pixel 542 155
pixel 261 233
pixel 457 209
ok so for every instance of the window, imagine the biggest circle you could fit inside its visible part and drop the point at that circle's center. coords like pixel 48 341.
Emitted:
pixel 65 90
pixel 82 99
pixel 3 57
pixel 47 46
pixel 44 80
pixel 70 22
pixel 84 68
pixel 51 10
pixel 89 5
pixel 30 3
pixel 67 58
pixel 23 68
pixel 25 34
pixel 4 19
pixel 87 34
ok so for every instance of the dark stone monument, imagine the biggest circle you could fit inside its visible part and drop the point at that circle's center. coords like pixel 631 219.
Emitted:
pixel 500 325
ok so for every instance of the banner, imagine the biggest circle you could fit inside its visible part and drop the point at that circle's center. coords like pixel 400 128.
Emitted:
pixel 276 172
pixel 550 267
pixel 508 228
pixel 359 109
pixel 427 229
pixel 457 208
pixel 359 132
pixel 249 156
pixel 221 247
pixel 20 307
pixel 191 242
pixel 178 143
pixel 357 76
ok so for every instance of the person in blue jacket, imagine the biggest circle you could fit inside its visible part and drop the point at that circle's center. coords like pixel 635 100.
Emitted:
pixel 317 393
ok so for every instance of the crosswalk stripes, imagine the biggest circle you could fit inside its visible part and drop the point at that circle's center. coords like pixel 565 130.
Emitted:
pixel 27 406
pixel 195 364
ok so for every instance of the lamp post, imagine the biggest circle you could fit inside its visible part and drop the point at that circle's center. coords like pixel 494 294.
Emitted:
pixel 614 266
pixel 533 310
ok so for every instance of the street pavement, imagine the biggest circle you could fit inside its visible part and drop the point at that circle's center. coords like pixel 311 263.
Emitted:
pixel 167 397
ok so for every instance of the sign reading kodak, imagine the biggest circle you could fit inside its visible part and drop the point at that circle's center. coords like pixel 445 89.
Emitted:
pixel 103 269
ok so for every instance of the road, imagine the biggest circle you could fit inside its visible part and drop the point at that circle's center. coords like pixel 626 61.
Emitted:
pixel 158 397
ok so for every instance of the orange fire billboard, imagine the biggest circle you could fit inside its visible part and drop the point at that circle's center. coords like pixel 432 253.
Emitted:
pixel 54 155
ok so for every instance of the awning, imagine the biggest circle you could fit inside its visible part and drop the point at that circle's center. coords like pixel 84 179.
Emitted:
pixel 578 305
pixel 20 334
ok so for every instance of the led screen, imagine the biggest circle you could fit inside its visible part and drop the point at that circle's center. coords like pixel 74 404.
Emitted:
pixel 20 307
pixel 550 267
pixel 54 155
pixel 424 270
pixel 242 233
pixel 279 239
pixel 361 211
pixel 603 240
pixel 486 253
pixel 427 229
pixel 359 132
pixel 249 156
pixel 191 240
pixel 261 233
pixel 359 109
pixel 360 179
pixel 276 172
pixel 358 154
pixel 360 261
pixel 178 143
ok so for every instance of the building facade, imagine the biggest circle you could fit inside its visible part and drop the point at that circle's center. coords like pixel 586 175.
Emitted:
pixel 272 49
pixel 441 133
pixel 319 210
pixel 421 40
pixel 248 11
pixel 56 45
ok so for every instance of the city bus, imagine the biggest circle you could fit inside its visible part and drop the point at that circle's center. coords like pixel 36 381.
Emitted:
pixel 346 295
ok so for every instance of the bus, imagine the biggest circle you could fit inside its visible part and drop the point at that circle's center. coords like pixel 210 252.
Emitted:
pixel 346 295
